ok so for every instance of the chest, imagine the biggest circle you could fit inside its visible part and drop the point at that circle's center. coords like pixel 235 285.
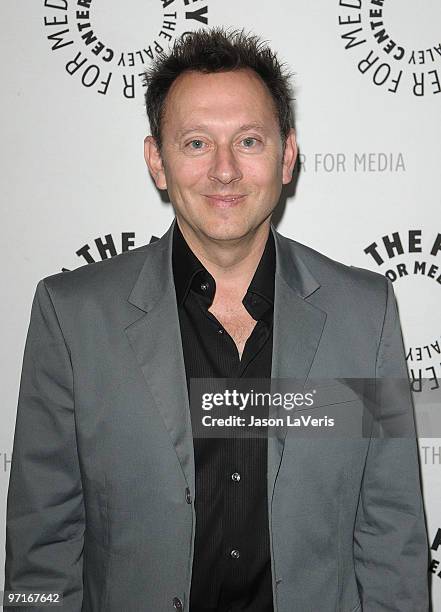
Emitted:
pixel 237 322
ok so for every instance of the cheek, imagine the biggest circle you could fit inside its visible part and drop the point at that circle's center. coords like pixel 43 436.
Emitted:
pixel 265 174
pixel 189 173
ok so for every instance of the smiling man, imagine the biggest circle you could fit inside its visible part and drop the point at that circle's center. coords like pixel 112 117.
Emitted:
pixel 113 500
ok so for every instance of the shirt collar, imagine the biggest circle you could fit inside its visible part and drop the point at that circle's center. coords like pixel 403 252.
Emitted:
pixel 189 272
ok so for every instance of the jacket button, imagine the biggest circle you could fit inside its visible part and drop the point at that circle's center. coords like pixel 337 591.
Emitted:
pixel 177 603
pixel 187 495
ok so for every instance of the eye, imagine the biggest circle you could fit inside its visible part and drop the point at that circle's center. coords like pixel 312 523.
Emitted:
pixel 249 142
pixel 198 144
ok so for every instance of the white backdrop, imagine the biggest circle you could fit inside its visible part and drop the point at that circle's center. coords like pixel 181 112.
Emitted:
pixel 75 188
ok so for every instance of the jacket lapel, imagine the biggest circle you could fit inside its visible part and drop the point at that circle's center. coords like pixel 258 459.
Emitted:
pixel 156 340
pixel 298 326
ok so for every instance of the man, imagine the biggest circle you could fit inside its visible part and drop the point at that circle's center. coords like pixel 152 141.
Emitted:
pixel 112 501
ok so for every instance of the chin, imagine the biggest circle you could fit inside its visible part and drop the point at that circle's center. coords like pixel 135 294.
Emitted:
pixel 225 231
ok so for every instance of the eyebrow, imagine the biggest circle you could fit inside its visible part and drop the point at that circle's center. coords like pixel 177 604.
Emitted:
pixel 243 128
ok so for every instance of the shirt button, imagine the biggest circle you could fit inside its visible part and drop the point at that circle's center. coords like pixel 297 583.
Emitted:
pixel 220 331
pixel 177 603
pixel 235 554
pixel 205 286
pixel 235 476
pixel 187 496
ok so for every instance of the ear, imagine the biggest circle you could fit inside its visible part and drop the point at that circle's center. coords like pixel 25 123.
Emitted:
pixel 290 156
pixel 154 163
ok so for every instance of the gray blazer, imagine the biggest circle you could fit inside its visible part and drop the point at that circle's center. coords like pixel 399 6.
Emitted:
pixel 102 484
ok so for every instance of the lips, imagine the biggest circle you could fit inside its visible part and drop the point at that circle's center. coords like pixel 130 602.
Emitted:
pixel 225 200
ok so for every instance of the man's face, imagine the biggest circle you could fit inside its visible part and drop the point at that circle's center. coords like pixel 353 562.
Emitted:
pixel 222 159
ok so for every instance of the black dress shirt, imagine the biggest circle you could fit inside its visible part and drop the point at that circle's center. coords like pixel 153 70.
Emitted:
pixel 232 566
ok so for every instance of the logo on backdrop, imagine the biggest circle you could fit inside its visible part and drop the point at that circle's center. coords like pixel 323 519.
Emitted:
pixel 352 162
pixel 411 259
pixel 395 45
pixel 435 564
pixel 106 50
pixel 106 248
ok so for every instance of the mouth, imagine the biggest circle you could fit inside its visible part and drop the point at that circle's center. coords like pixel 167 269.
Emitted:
pixel 224 201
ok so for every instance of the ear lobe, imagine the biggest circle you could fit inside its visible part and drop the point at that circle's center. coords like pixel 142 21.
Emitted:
pixel 154 163
pixel 289 158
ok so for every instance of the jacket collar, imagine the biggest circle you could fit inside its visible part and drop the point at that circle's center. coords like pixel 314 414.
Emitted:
pixel 156 276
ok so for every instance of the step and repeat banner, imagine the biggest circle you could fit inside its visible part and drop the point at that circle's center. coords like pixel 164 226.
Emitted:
pixel 75 189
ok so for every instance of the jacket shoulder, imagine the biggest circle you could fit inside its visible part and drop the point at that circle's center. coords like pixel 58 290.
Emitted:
pixel 343 285
pixel 111 276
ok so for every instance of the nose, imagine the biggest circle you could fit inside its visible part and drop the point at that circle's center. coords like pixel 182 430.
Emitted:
pixel 225 167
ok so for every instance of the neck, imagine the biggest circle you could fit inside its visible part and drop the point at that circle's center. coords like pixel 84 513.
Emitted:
pixel 232 263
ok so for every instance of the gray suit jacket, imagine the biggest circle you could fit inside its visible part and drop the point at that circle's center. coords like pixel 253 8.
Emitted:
pixel 101 492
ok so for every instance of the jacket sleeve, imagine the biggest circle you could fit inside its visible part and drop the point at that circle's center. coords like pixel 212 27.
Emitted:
pixel 45 511
pixel 390 538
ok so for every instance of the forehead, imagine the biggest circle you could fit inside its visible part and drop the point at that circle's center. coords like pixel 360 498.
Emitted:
pixel 221 98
